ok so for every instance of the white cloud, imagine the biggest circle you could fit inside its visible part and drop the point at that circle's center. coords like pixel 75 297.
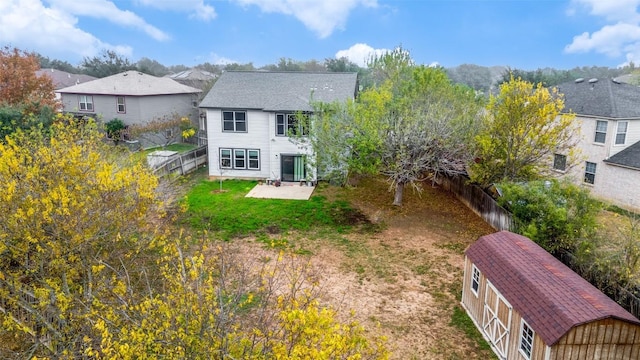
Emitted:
pixel 107 10
pixel 220 60
pixel 197 8
pixel 48 30
pixel 619 38
pixel 611 10
pixel 321 17
pixel 360 53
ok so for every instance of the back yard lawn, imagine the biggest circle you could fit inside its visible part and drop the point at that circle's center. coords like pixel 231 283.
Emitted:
pixel 399 269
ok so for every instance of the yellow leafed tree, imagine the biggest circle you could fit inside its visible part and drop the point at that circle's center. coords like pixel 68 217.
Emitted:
pixel 523 127
pixel 68 209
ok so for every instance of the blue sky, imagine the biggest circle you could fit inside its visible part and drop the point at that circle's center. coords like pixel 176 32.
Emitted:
pixel 525 34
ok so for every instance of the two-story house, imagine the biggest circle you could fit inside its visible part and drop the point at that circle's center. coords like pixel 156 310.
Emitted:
pixel 608 114
pixel 133 97
pixel 251 115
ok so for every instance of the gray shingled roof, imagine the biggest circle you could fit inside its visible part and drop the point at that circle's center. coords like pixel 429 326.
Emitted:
pixel 278 91
pixel 132 83
pixel 62 79
pixel 602 98
pixel 192 74
pixel 629 157
pixel 546 293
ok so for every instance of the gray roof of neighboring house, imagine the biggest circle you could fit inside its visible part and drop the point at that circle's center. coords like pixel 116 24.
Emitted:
pixel 279 91
pixel 192 74
pixel 62 79
pixel 601 98
pixel 132 83
pixel 629 157
pixel 628 78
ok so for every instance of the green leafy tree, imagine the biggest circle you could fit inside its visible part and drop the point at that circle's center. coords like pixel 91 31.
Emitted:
pixel 474 76
pixel 46 63
pixel 557 215
pixel 522 128
pixel 151 67
pixel 107 63
pixel 414 126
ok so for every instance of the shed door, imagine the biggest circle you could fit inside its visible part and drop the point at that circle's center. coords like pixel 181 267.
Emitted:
pixel 496 319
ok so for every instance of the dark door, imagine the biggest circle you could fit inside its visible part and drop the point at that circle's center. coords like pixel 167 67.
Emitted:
pixel 293 168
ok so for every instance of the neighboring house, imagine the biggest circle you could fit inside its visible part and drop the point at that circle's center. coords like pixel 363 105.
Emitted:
pixel 250 115
pixel 133 97
pixel 528 305
pixel 194 77
pixel 608 113
pixel 62 79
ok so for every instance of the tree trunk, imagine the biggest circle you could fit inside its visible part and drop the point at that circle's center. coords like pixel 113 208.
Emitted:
pixel 397 199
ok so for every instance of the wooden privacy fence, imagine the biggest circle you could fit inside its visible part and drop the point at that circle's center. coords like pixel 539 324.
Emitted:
pixel 183 163
pixel 479 202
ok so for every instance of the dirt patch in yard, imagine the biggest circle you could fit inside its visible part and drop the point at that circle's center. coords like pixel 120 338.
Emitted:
pixel 404 279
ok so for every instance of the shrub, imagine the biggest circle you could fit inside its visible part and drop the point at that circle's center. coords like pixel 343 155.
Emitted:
pixel 114 129
pixel 554 214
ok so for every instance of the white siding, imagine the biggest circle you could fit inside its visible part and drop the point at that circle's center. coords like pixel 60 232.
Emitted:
pixel 261 135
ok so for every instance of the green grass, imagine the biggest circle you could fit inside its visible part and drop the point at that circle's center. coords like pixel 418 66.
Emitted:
pixel 229 213
pixel 179 147
pixel 461 320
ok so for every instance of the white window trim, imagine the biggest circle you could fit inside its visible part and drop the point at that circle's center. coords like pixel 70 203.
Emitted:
pixel 236 158
pixel 232 159
pixel 586 165
pixel 118 104
pixel 474 271
pixel 86 100
pixel 522 338
pixel 595 135
pixel 626 131
pixel 257 152
pixel 554 163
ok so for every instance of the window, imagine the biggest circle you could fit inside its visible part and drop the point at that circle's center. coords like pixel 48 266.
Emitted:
pixel 234 121
pixel 621 134
pixel 225 158
pixel 240 159
pixel 292 124
pixel 86 103
pixel 526 339
pixel 601 132
pixel 590 173
pixel 120 104
pixel 559 162
pixel 475 280
pixel 254 159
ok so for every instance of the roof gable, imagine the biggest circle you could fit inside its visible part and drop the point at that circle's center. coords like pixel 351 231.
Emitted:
pixel 62 79
pixel 279 91
pixel 629 157
pixel 546 293
pixel 601 98
pixel 132 83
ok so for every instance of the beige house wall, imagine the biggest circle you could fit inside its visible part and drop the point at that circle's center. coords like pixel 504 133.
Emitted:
pixel 615 184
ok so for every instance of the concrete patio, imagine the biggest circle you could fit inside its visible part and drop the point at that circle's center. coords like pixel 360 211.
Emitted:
pixel 287 190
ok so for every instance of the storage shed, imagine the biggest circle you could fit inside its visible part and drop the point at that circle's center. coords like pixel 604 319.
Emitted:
pixel 529 305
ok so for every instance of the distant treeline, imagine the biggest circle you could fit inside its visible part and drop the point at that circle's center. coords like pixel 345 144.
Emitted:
pixel 481 78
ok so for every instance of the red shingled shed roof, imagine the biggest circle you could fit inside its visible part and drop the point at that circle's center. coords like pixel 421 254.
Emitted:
pixel 550 297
